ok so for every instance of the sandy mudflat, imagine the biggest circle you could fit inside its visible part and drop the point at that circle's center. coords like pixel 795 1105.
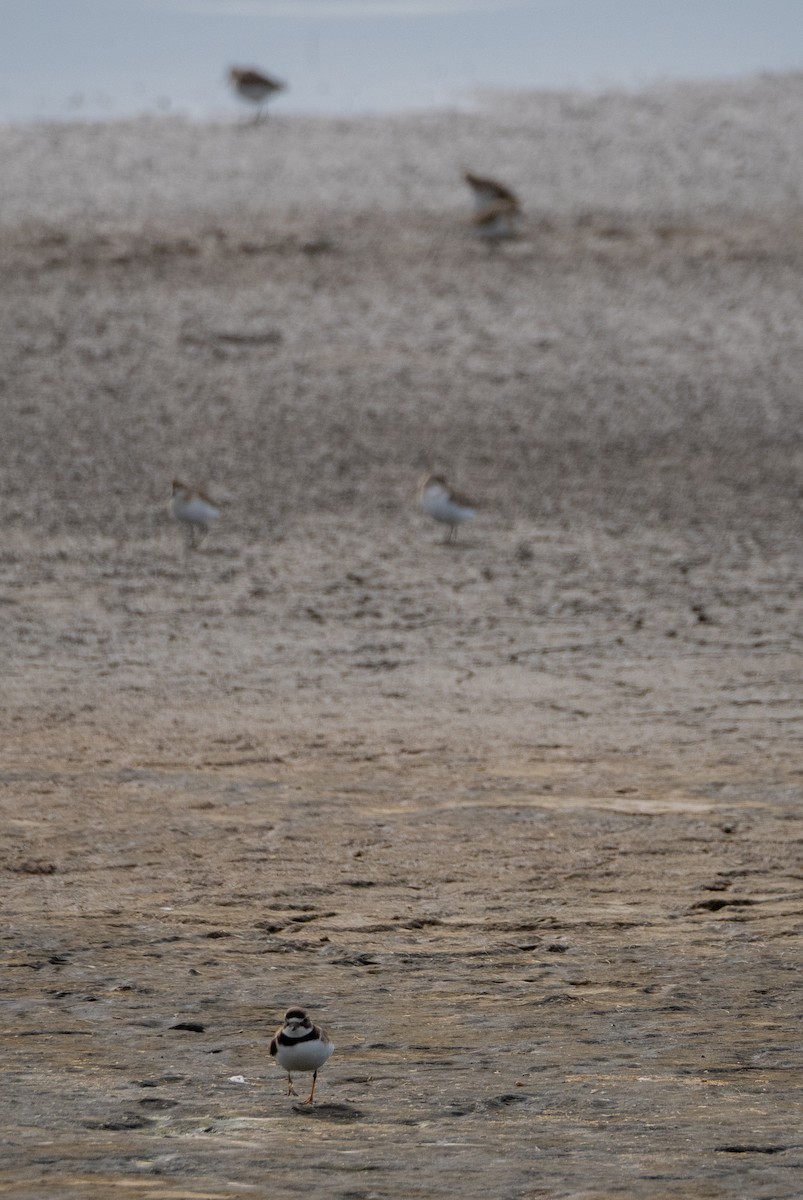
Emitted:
pixel 519 820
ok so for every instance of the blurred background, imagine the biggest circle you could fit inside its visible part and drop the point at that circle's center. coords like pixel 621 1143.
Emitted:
pixel 66 59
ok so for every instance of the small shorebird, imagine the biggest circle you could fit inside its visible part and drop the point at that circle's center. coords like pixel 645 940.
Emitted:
pixel 496 207
pixel 255 86
pixel 194 507
pixel 300 1046
pixel 442 503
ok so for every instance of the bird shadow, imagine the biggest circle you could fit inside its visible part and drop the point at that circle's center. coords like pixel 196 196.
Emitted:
pixel 342 1113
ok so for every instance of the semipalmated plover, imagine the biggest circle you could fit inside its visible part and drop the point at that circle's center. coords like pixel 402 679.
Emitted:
pixel 254 86
pixel 300 1046
pixel 442 503
pixel 193 506
pixel 496 207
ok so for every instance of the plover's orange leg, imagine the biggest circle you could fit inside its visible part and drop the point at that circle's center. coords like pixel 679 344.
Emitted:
pixel 291 1091
pixel 309 1099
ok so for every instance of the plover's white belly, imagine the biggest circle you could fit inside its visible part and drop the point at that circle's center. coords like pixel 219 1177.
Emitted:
pixel 499 226
pixel 305 1056
pixel 254 91
pixel 482 197
pixel 439 505
pixel 198 511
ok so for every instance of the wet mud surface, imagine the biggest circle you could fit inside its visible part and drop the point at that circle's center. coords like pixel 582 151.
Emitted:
pixel 517 820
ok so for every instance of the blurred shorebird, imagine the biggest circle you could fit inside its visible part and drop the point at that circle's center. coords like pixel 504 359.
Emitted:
pixel 194 508
pixel 300 1046
pixel 254 86
pixel 443 504
pixel 496 207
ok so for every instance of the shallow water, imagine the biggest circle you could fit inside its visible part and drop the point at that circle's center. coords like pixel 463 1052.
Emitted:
pixel 93 58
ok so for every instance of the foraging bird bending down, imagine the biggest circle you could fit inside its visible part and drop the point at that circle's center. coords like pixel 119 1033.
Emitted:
pixel 300 1046
pixel 442 503
pixel 496 207
pixel 192 506
pixel 255 86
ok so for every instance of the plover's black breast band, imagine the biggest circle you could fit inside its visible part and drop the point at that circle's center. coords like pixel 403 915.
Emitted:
pixel 313 1036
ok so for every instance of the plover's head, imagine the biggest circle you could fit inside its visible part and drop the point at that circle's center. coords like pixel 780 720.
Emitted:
pixel 428 481
pixel 296 1019
pixel 178 486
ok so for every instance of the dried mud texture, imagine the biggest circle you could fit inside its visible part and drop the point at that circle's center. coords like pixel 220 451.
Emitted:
pixel 519 819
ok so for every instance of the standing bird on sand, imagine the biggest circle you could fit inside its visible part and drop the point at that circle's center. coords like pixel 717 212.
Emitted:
pixel 442 503
pixel 496 207
pixel 300 1046
pixel 255 86
pixel 195 509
